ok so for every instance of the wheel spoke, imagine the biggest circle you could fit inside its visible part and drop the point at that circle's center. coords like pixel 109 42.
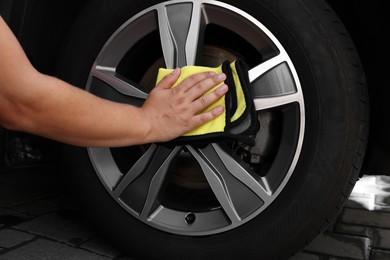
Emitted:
pixel 155 185
pixel 114 80
pixel 138 168
pixel 237 198
pixel 256 184
pixel 128 35
pixel 273 102
pixel 181 29
pixel 258 71
pixel 144 181
pixel 104 162
pixel 273 84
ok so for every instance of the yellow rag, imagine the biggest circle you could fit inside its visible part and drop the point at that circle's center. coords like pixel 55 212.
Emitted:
pixel 217 125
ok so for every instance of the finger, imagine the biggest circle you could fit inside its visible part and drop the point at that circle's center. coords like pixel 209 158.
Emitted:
pixel 203 118
pixel 169 80
pixel 205 85
pixel 206 100
pixel 195 79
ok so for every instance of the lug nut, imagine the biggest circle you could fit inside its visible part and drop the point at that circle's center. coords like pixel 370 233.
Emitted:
pixel 190 218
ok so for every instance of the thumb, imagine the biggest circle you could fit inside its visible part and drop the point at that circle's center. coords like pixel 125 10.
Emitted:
pixel 169 80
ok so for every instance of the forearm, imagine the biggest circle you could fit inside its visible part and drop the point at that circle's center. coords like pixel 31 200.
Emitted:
pixel 62 112
pixel 46 106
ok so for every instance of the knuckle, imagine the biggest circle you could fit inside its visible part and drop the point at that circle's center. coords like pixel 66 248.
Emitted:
pixel 197 78
pixel 192 80
pixel 203 101
pixel 181 100
pixel 206 117
pixel 199 87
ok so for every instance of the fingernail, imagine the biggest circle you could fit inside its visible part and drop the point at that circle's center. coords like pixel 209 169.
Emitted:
pixel 224 88
pixel 219 109
pixel 175 71
pixel 211 73
pixel 221 76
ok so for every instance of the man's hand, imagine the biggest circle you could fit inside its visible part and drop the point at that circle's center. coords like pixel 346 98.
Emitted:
pixel 171 112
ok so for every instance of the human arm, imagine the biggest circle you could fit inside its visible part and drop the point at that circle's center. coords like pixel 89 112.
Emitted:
pixel 43 105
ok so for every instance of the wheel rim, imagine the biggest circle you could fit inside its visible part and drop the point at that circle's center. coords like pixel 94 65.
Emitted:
pixel 191 190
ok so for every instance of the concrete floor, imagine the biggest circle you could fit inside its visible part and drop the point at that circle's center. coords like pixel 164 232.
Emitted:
pixel 38 221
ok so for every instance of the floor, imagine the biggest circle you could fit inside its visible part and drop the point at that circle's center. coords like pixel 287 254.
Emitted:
pixel 38 221
pixel 362 230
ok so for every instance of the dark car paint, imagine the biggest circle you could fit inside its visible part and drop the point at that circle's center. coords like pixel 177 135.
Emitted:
pixel 42 26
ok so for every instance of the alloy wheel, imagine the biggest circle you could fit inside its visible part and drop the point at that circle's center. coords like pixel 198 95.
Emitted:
pixel 199 190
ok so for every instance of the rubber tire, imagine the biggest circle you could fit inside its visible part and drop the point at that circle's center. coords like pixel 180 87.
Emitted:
pixel 336 133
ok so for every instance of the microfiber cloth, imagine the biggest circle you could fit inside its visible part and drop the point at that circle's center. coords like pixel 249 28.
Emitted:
pixel 238 122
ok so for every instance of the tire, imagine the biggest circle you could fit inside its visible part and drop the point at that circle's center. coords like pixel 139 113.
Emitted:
pixel 224 200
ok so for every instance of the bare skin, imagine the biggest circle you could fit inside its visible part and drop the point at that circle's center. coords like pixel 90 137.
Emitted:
pixel 43 105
